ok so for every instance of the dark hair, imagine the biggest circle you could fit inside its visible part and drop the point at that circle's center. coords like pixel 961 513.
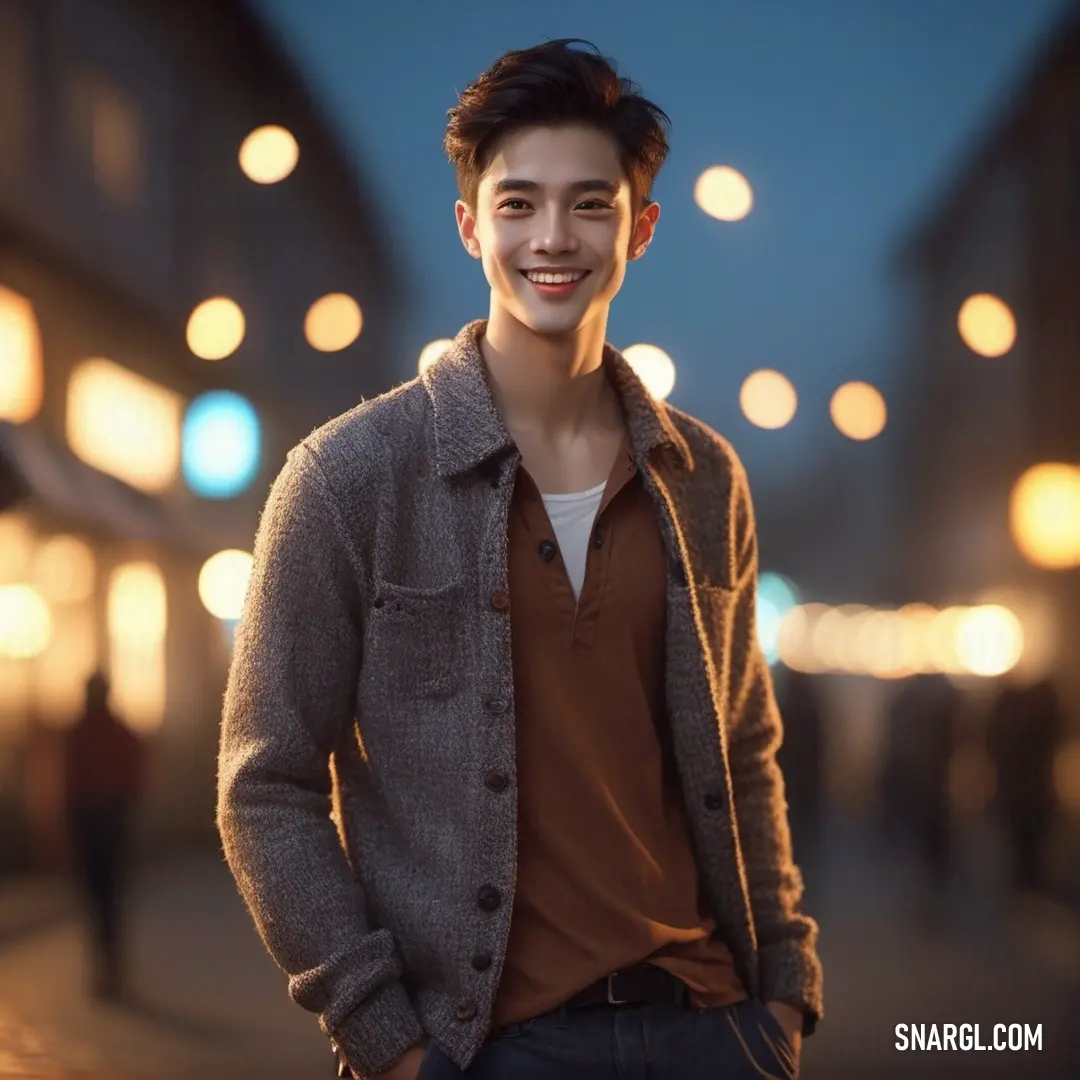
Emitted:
pixel 553 84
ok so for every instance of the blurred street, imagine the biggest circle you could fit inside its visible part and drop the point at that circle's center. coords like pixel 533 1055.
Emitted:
pixel 209 1003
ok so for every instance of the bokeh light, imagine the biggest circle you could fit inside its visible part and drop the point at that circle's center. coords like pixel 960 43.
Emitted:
pixel 25 622
pixel 987 325
pixel 16 548
pixel 223 583
pixel 1044 514
pixel 989 641
pixel 333 322
pixel 431 352
pixel 269 154
pixel 653 367
pixel 216 328
pixel 724 193
pixel 768 399
pixel 63 570
pixel 22 375
pixel 124 424
pixel 776 596
pixel 858 411
pixel 221 444
pixel 137 619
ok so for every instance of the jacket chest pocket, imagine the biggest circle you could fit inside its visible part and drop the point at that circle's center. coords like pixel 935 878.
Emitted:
pixel 413 643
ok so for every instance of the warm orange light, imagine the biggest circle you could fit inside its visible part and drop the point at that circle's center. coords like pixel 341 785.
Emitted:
pixel 25 622
pixel 223 583
pixel 989 640
pixel 124 424
pixel 858 410
pixel 137 617
pixel 768 399
pixel 63 570
pixel 987 325
pixel 22 376
pixel 431 352
pixel 333 322
pixel 724 193
pixel 216 328
pixel 1044 516
pixel 653 367
pixel 16 548
pixel 269 154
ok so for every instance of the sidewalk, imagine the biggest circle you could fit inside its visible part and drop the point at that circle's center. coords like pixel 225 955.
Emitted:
pixel 207 1000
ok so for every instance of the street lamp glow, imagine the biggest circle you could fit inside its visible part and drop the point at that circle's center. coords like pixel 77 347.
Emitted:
pixel 858 411
pixel 333 322
pixel 989 640
pixel 223 583
pixel 987 325
pixel 724 193
pixel 1044 515
pixel 768 399
pixel 216 328
pixel 431 352
pixel 653 367
pixel 269 154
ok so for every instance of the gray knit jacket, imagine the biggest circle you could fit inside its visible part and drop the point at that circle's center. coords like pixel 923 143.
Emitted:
pixel 371 691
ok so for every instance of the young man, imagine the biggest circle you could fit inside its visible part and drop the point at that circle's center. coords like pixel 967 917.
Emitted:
pixel 511 603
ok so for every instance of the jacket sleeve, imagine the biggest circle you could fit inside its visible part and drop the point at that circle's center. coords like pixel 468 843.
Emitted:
pixel 789 968
pixel 290 697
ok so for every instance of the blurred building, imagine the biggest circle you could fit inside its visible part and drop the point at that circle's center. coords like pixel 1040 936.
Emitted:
pixel 992 387
pixel 140 429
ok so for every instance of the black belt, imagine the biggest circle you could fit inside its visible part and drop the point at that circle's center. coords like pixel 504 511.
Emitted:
pixel 642 984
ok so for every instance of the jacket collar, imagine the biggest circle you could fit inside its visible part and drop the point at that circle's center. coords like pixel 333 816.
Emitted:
pixel 469 430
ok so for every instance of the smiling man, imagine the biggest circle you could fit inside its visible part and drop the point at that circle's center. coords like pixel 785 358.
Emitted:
pixel 502 619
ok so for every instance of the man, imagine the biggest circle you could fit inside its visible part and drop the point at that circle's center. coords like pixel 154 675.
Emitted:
pixel 103 772
pixel 512 602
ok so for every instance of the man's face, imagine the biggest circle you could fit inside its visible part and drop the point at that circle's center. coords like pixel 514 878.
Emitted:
pixel 555 199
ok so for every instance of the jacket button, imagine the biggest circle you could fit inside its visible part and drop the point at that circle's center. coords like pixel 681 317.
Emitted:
pixel 497 781
pixel 598 539
pixel 482 961
pixel 547 550
pixel 496 705
pixel 714 801
pixel 488 898
pixel 466 1010
pixel 500 600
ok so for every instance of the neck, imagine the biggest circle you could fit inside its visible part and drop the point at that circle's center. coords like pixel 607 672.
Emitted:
pixel 552 385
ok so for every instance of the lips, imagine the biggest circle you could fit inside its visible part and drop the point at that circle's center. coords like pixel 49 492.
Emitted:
pixel 554 290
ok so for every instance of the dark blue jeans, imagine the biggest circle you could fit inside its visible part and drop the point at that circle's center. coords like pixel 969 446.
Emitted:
pixel 643 1042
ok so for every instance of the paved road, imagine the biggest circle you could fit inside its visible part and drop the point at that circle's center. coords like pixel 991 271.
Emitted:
pixel 210 1004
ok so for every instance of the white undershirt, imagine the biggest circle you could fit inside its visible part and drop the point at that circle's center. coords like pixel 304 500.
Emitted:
pixel 572 518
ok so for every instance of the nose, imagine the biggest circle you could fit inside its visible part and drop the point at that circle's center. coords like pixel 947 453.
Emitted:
pixel 555 235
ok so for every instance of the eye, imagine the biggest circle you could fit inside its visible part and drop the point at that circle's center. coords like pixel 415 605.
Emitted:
pixel 595 204
pixel 509 204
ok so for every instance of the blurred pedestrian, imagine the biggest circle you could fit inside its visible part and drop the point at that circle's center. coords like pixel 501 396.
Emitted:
pixel 801 759
pixel 923 725
pixel 103 770
pixel 1024 733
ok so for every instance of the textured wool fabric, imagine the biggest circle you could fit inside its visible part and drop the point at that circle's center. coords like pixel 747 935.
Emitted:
pixel 372 675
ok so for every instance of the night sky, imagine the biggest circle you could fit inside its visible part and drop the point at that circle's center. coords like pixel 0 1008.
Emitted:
pixel 848 117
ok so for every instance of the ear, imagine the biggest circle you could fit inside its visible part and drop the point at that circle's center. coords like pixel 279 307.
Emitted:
pixel 466 224
pixel 643 231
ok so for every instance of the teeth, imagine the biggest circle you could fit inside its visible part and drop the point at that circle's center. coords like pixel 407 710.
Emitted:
pixel 556 279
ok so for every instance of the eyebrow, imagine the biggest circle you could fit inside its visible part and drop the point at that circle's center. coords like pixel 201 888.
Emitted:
pixel 501 187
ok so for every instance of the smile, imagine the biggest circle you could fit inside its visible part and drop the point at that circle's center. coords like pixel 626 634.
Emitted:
pixel 555 284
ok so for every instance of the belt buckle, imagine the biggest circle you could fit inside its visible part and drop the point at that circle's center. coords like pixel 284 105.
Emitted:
pixel 612 1000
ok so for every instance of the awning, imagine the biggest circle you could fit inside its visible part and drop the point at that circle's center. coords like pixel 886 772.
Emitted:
pixel 35 468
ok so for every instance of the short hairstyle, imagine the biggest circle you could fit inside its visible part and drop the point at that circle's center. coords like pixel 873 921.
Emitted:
pixel 553 84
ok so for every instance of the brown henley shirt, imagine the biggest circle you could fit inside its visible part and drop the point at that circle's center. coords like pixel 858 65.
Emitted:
pixel 606 874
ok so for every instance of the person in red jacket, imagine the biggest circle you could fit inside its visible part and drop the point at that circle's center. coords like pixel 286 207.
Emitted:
pixel 103 770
